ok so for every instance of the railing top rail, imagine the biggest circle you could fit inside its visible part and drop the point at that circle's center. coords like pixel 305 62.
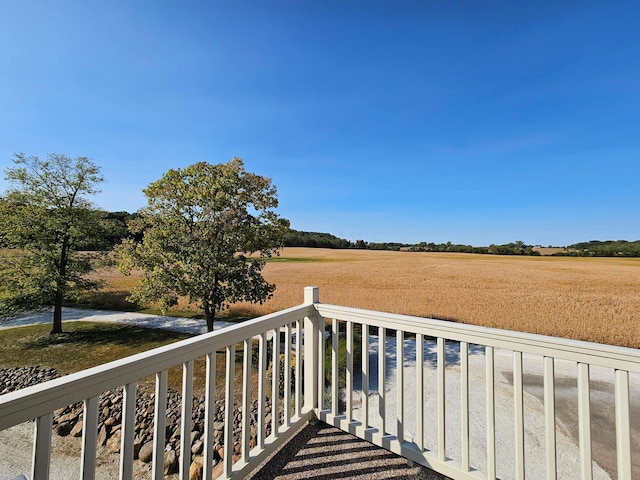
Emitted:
pixel 31 402
pixel 574 350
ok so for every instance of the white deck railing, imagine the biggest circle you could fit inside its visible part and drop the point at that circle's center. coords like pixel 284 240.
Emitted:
pixel 389 404
pixel 40 401
pixel 389 428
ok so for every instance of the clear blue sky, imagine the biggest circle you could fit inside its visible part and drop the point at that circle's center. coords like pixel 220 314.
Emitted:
pixel 475 122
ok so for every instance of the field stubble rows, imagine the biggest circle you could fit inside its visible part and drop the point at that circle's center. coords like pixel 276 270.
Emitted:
pixel 593 299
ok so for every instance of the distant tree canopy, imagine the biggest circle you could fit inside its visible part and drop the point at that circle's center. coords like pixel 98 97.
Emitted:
pixel 294 238
pixel 515 248
pixel 606 248
pixel 115 225
pixel 325 240
pixel 446 247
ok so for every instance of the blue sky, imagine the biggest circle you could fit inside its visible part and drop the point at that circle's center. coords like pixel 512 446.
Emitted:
pixel 471 122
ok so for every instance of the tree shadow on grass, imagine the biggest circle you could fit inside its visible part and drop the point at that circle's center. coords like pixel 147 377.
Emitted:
pixel 117 335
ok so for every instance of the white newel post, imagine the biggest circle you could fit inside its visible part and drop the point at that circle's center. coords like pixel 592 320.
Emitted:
pixel 311 332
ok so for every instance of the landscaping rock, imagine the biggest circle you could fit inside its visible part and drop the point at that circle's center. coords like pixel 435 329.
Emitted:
pixel 12 379
pixel 69 417
pixel 113 444
pixel 63 429
pixel 68 420
pixel 196 468
pixel 146 452
pixel 76 431
pixel 137 445
pixel 170 461
pixel 218 470
pixel 102 436
pixel 196 449
pixel 218 427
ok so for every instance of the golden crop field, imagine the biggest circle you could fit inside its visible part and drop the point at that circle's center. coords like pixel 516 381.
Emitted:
pixel 594 299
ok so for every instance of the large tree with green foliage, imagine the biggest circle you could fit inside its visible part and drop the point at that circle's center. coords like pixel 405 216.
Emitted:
pixel 207 231
pixel 46 220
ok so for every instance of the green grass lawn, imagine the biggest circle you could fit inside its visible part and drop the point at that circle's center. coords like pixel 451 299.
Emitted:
pixel 88 344
pixel 83 345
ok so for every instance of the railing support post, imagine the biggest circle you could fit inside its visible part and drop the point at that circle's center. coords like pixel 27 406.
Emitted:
pixel 42 447
pixel 311 335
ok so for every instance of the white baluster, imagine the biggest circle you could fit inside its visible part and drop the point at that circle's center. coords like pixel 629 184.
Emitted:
pixel 623 431
pixel 42 447
pixel 419 440
pixel 187 409
pixel 287 375
pixel 464 405
pixel 365 376
pixel 491 414
pixel 275 384
pixel 550 418
pixel 349 373
pixel 229 408
pixel 400 385
pixel 159 425
pixel 334 367
pixel 518 404
pixel 584 421
pixel 298 369
pixel 382 367
pixel 89 438
pixel 246 398
pixel 442 427
pixel 209 414
pixel 262 366
pixel 128 430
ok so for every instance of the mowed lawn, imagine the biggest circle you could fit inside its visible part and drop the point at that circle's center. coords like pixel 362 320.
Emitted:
pixel 594 299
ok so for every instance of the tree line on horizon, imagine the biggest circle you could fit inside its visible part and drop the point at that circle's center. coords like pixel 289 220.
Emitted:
pixel 295 238
pixel 603 248
pixel 115 228
pixel 593 248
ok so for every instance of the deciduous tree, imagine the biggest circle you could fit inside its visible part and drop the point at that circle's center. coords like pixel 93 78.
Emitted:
pixel 46 218
pixel 207 232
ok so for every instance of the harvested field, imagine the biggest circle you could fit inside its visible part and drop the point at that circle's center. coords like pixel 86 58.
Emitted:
pixel 593 299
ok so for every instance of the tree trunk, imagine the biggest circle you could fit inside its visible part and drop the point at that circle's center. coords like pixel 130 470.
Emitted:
pixel 57 313
pixel 209 315
pixel 60 284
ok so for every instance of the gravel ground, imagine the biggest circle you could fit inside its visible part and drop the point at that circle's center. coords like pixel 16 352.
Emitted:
pixel 316 452
pixel 322 452
pixel 16 445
